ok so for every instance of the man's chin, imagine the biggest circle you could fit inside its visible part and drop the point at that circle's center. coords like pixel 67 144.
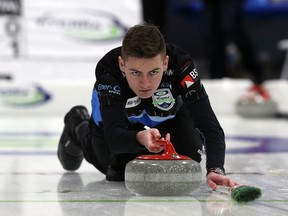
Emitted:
pixel 144 95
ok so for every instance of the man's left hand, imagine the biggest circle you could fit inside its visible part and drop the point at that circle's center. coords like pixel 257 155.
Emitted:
pixel 213 179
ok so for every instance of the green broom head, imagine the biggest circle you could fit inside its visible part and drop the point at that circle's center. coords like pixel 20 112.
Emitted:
pixel 245 193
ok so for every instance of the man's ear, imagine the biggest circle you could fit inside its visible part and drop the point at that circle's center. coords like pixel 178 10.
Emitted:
pixel 121 63
pixel 166 61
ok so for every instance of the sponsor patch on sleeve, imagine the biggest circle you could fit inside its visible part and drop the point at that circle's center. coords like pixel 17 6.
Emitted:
pixel 189 79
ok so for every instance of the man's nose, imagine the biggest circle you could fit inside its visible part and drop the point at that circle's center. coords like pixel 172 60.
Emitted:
pixel 145 82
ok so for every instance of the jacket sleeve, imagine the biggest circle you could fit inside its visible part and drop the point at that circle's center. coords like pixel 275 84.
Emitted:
pixel 194 95
pixel 111 108
pixel 207 123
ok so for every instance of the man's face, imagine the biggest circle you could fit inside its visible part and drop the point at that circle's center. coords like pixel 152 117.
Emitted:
pixel 144 74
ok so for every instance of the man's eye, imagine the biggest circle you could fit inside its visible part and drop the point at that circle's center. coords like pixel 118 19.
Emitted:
pixel 154 72
pixel 135 73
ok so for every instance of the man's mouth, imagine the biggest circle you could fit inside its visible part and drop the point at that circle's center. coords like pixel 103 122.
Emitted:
pixel 145 90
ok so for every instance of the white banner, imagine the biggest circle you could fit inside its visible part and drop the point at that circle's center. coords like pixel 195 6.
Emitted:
pixel 45 98
pixel 70 28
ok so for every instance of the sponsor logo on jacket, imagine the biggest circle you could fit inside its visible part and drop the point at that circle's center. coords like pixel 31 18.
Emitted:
pixel 189 79
pixel 163 99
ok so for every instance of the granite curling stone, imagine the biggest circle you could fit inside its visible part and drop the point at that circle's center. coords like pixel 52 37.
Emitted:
pixel 167 174
pixel 256 109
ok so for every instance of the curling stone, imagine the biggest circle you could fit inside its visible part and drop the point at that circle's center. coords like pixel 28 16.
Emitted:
pixel 167 174
pixel 256 109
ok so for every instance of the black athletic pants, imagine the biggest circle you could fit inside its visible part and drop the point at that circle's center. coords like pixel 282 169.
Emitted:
pixel 226 24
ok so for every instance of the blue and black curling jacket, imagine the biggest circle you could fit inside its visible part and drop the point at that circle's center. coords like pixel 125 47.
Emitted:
pixel 118 111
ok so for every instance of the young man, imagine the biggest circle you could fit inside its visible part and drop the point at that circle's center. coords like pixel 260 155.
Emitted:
pixel 144 90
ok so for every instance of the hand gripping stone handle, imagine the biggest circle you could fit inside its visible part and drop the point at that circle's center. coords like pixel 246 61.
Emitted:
pixel 168 154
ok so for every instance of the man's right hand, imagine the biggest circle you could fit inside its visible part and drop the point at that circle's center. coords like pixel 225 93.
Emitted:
pixel 148 139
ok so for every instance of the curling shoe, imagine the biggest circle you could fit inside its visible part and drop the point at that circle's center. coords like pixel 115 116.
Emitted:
pixel 115 174
pixel 69 152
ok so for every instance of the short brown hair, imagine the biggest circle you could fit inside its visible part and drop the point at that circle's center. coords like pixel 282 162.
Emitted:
pixel 143 41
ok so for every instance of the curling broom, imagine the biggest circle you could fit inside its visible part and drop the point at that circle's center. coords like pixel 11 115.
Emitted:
pixel 240 193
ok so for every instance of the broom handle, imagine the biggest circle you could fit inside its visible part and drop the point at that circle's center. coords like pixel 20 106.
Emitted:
pixel 225 189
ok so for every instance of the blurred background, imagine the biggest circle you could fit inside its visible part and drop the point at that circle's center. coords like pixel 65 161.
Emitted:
pixel 49 48
pixel 264 23
pixel 48 53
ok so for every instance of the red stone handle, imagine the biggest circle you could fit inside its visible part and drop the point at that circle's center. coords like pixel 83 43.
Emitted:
pixel 169 153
